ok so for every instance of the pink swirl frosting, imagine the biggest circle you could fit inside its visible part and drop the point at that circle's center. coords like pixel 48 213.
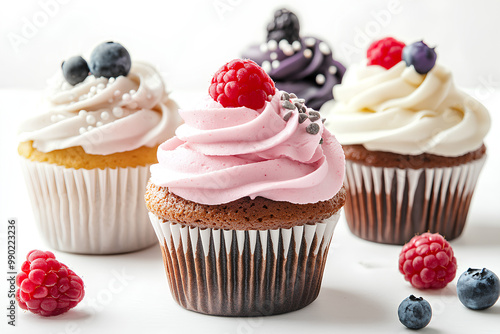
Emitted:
pixel 223 154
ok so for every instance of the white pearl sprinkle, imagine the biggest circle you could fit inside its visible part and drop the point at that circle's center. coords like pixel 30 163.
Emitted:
pixel 82 130
pixel 273 56
pixel 283 44
pixel 310 41
pixel 332 69
pixel 82 113
pixel 105 115
pixel 100 86
pixel 308 53
pixel 111 80
pixel 82 97
pixel 320 79
pixel 90 119
pixel 272 45
pixel 263 48
pixel 132 92
pixel 90 127
pixel 118 112
pixel 90 94
pixel 296 45
pixel 269 97
pixel 323 47
pixel 288 51
pixel 92 89
pixel 266 66
pixel 275 63
pixel 61 116
pixel 98 124
pixel 66 85
pixel 117 92
pixel 126 97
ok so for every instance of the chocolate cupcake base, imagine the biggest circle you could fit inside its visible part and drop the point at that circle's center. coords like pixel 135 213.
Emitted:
pixel 244 272
pixel 390 205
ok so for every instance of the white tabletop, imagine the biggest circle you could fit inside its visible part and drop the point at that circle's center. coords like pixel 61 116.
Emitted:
pixel 361 289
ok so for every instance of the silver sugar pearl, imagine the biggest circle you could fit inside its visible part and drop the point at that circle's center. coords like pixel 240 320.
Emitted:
pixel 320 79
pixel 324 49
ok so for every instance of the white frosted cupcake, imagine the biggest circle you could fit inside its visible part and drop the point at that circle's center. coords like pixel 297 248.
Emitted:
pixel 413 144
pixel 86 157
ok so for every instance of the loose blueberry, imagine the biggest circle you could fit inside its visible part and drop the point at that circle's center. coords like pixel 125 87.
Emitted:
pixel 478 289
pixel 110 60
pixel 422 57
pixel 75 70
pixel 415 313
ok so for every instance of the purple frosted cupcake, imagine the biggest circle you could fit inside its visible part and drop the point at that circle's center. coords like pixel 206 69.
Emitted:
pixel 302 65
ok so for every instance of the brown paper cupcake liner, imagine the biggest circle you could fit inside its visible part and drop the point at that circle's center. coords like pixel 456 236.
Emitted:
pixel 391 205
pixel 244 273
pixel 95 211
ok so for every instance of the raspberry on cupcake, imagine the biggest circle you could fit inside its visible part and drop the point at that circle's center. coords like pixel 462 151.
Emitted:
pixel 413 144
pixel 245 198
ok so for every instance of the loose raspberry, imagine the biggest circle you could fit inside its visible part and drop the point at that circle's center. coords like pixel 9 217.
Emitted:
pixel 241 83
pixel 386 52
pixel 427 261
pixel 46 286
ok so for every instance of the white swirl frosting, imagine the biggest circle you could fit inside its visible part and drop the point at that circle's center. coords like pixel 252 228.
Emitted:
pixel 401 111
pixel 105 116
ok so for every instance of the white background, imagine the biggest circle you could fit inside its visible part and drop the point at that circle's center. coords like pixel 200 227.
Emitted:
pixel 188 41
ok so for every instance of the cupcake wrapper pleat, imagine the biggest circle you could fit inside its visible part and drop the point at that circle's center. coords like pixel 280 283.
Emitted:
pixel 244 273
pixel 96 211
pixel 391 205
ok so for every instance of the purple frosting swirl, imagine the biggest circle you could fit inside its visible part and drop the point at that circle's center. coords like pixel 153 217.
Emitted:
pixel 305 67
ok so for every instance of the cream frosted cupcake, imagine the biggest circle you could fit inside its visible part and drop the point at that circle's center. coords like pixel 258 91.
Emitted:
pixel 245 198
pixel 86 157
pixel 413 144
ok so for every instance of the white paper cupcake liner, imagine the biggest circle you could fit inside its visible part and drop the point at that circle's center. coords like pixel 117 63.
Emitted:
pixel 391 205
pixel 96 211
pixel 244 273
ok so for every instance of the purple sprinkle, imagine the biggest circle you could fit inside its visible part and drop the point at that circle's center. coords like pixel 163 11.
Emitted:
pixel 302 118
pixel 321 141
pixel 287 116
pixel 312 128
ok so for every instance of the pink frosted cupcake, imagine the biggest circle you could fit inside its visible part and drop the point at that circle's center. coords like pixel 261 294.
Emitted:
pixel 245 198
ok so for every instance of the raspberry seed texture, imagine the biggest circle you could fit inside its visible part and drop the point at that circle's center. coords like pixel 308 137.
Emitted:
pixel 241 83
pixel 427 261
pixel 385 52
pixel 46 286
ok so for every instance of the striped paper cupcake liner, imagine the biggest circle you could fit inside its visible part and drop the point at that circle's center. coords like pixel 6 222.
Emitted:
pixel 391 205
pixel 244 273
pixel 96 211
